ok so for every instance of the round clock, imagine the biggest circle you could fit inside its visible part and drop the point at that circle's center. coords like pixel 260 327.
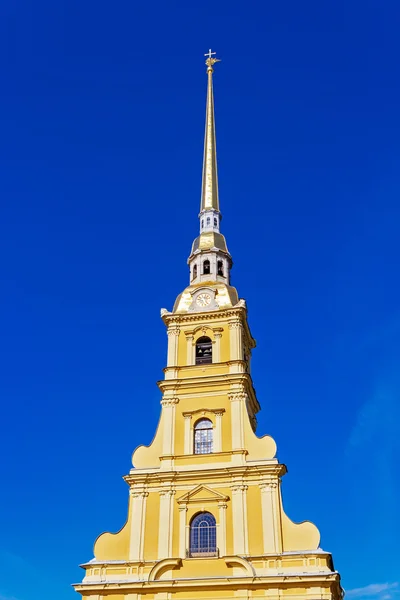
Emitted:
pixel 203 300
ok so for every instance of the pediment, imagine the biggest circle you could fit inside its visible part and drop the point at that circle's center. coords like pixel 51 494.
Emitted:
pixel 202 493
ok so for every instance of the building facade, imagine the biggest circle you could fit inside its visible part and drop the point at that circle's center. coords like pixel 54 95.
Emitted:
pixel 205 516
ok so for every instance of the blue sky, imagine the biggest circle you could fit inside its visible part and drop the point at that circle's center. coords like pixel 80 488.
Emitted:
pixel 102 116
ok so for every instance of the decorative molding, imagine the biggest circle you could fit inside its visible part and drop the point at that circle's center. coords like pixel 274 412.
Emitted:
pixel 167 493
pixel 193 317
pixel 239 489
pixel 137 493
pixel 235 325
pixel 237 561
pixel 169 401
pixel 237 396
pixel 164 565
pixel 214 411
pixel 268 486
pixel 173 330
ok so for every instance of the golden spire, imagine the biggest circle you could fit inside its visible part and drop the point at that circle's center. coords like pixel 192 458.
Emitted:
pixel 209 188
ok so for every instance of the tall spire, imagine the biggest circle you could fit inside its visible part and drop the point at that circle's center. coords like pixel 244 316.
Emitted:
pixel 209 188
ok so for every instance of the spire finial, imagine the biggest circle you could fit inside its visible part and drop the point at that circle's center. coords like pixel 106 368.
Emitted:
pixel 211 60
pixel 209 191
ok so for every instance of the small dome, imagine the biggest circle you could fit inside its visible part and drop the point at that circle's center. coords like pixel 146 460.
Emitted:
pixel 211 239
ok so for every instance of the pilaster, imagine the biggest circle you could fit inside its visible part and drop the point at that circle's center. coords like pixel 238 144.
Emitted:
pixel 239 516
pixel 169 407
pixel 187 442
pixel 173 335
pixel 217 344
pixel 218 432
pixel 138 517
pixel 190 348
pixel 238 402
pixel 221 541
pixel 271 519
pixel 236 332
pixel 182 530
pixel 165 526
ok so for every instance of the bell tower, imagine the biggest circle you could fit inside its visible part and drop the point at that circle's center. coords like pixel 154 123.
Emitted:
pixel 205 513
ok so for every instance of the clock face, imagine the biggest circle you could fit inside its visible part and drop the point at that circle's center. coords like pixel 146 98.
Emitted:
pixel 203 299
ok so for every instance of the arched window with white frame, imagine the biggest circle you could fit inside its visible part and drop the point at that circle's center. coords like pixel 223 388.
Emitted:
pixel 203 437
pixel 203 535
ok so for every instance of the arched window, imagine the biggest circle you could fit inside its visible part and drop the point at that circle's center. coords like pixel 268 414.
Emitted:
pixel 206 267
pixel 194 273
pixel 220 268
pixel 215 222
pixel 208 221
pixel 203 437
pixel 203 351
pixel 203 535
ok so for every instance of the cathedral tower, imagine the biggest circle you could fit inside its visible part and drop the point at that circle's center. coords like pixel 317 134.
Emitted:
pixel 205 517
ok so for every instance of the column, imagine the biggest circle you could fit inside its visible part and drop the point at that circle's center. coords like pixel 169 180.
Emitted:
pixel 182 530
pixel 271 517
pixel 218 432
pixel 188 441
pixel 189 348
pixel 221 541
pixel 165 524
pixel 235 336
pixel 168 407
pixel 239 516
pixel 138 516
pixel 238 400
pixel 173 334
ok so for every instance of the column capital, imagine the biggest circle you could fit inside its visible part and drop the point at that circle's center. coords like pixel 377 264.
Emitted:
pixel 138 493
pixel 234 324
pixel 268 486
pixel 173 330
pixel 237 396
pixel 169 401
pixel 222 505
pixel 239 488
pixel 168 493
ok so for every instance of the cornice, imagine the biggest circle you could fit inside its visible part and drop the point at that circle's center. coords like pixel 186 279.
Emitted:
pixel 239 310
pixel 210 583
pixel 170 318
pixel 235 380
pixel 251 473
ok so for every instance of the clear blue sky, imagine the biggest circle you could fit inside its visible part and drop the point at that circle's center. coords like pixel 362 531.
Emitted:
pixel 102 115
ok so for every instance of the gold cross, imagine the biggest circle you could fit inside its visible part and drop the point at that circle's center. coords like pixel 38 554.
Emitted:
pixel 211 60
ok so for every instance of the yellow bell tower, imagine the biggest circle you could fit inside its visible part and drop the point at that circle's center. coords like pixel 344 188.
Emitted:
pixel 205 517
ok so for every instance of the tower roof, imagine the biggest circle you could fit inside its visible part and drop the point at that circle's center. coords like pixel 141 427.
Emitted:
pixel 209 188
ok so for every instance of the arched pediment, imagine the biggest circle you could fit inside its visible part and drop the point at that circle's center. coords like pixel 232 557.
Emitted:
pixel 238 561
pixel 168 564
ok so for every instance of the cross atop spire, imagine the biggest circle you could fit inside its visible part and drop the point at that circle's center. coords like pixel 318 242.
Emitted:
pixel 211 60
